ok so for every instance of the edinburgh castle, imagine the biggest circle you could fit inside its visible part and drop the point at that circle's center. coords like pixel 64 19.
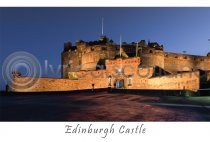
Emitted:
pixel 142 65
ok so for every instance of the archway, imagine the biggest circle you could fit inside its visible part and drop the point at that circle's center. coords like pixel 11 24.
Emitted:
pixel 119 83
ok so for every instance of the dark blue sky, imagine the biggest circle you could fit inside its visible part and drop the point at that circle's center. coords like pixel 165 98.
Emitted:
pixel 43 31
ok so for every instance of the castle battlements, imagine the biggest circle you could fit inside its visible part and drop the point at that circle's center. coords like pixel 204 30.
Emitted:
pixel 87 55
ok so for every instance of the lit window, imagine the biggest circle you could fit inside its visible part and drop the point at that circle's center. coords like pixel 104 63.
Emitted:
pixel 130 78
pixel 110 80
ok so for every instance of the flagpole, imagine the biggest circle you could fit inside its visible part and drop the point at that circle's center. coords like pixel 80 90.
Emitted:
pixel 102 27
pixel 136 49
pixel 120 44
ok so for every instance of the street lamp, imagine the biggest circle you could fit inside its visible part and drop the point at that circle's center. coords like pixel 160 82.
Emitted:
pixel 120 71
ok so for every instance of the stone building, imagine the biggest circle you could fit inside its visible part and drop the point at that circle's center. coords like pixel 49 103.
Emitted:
pixel 86 55
pixel 104 64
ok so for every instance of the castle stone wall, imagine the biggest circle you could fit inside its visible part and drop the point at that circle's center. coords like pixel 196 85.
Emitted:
pixel 89 60
pixel 203 63
pixel 174 64
pixel 100 79
pixel 86 57
pixel 127 66
pixel 182 62
pixel 144 80
pixel 70 61
pixel 85 81
pixel 153 59
pixel 208 76
pixel 182 81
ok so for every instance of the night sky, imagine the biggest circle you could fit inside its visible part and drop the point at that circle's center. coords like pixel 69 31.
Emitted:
pixel 43 31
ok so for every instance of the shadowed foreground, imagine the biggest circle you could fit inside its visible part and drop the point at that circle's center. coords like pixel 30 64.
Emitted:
pixel 100 106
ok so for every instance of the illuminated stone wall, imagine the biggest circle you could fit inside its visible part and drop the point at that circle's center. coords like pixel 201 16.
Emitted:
pixel 127 70
pixel 86 57
pixel 182 81
pixel 85 81
pixel 208 76
pixel 181 62
pixel 153 59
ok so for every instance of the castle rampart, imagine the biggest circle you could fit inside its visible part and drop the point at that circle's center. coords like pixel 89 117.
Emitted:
pixel 87 55
pixel 119 73
pixel 134 66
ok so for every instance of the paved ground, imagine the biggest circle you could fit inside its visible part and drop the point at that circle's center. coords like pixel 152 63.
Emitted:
pixel 101 106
